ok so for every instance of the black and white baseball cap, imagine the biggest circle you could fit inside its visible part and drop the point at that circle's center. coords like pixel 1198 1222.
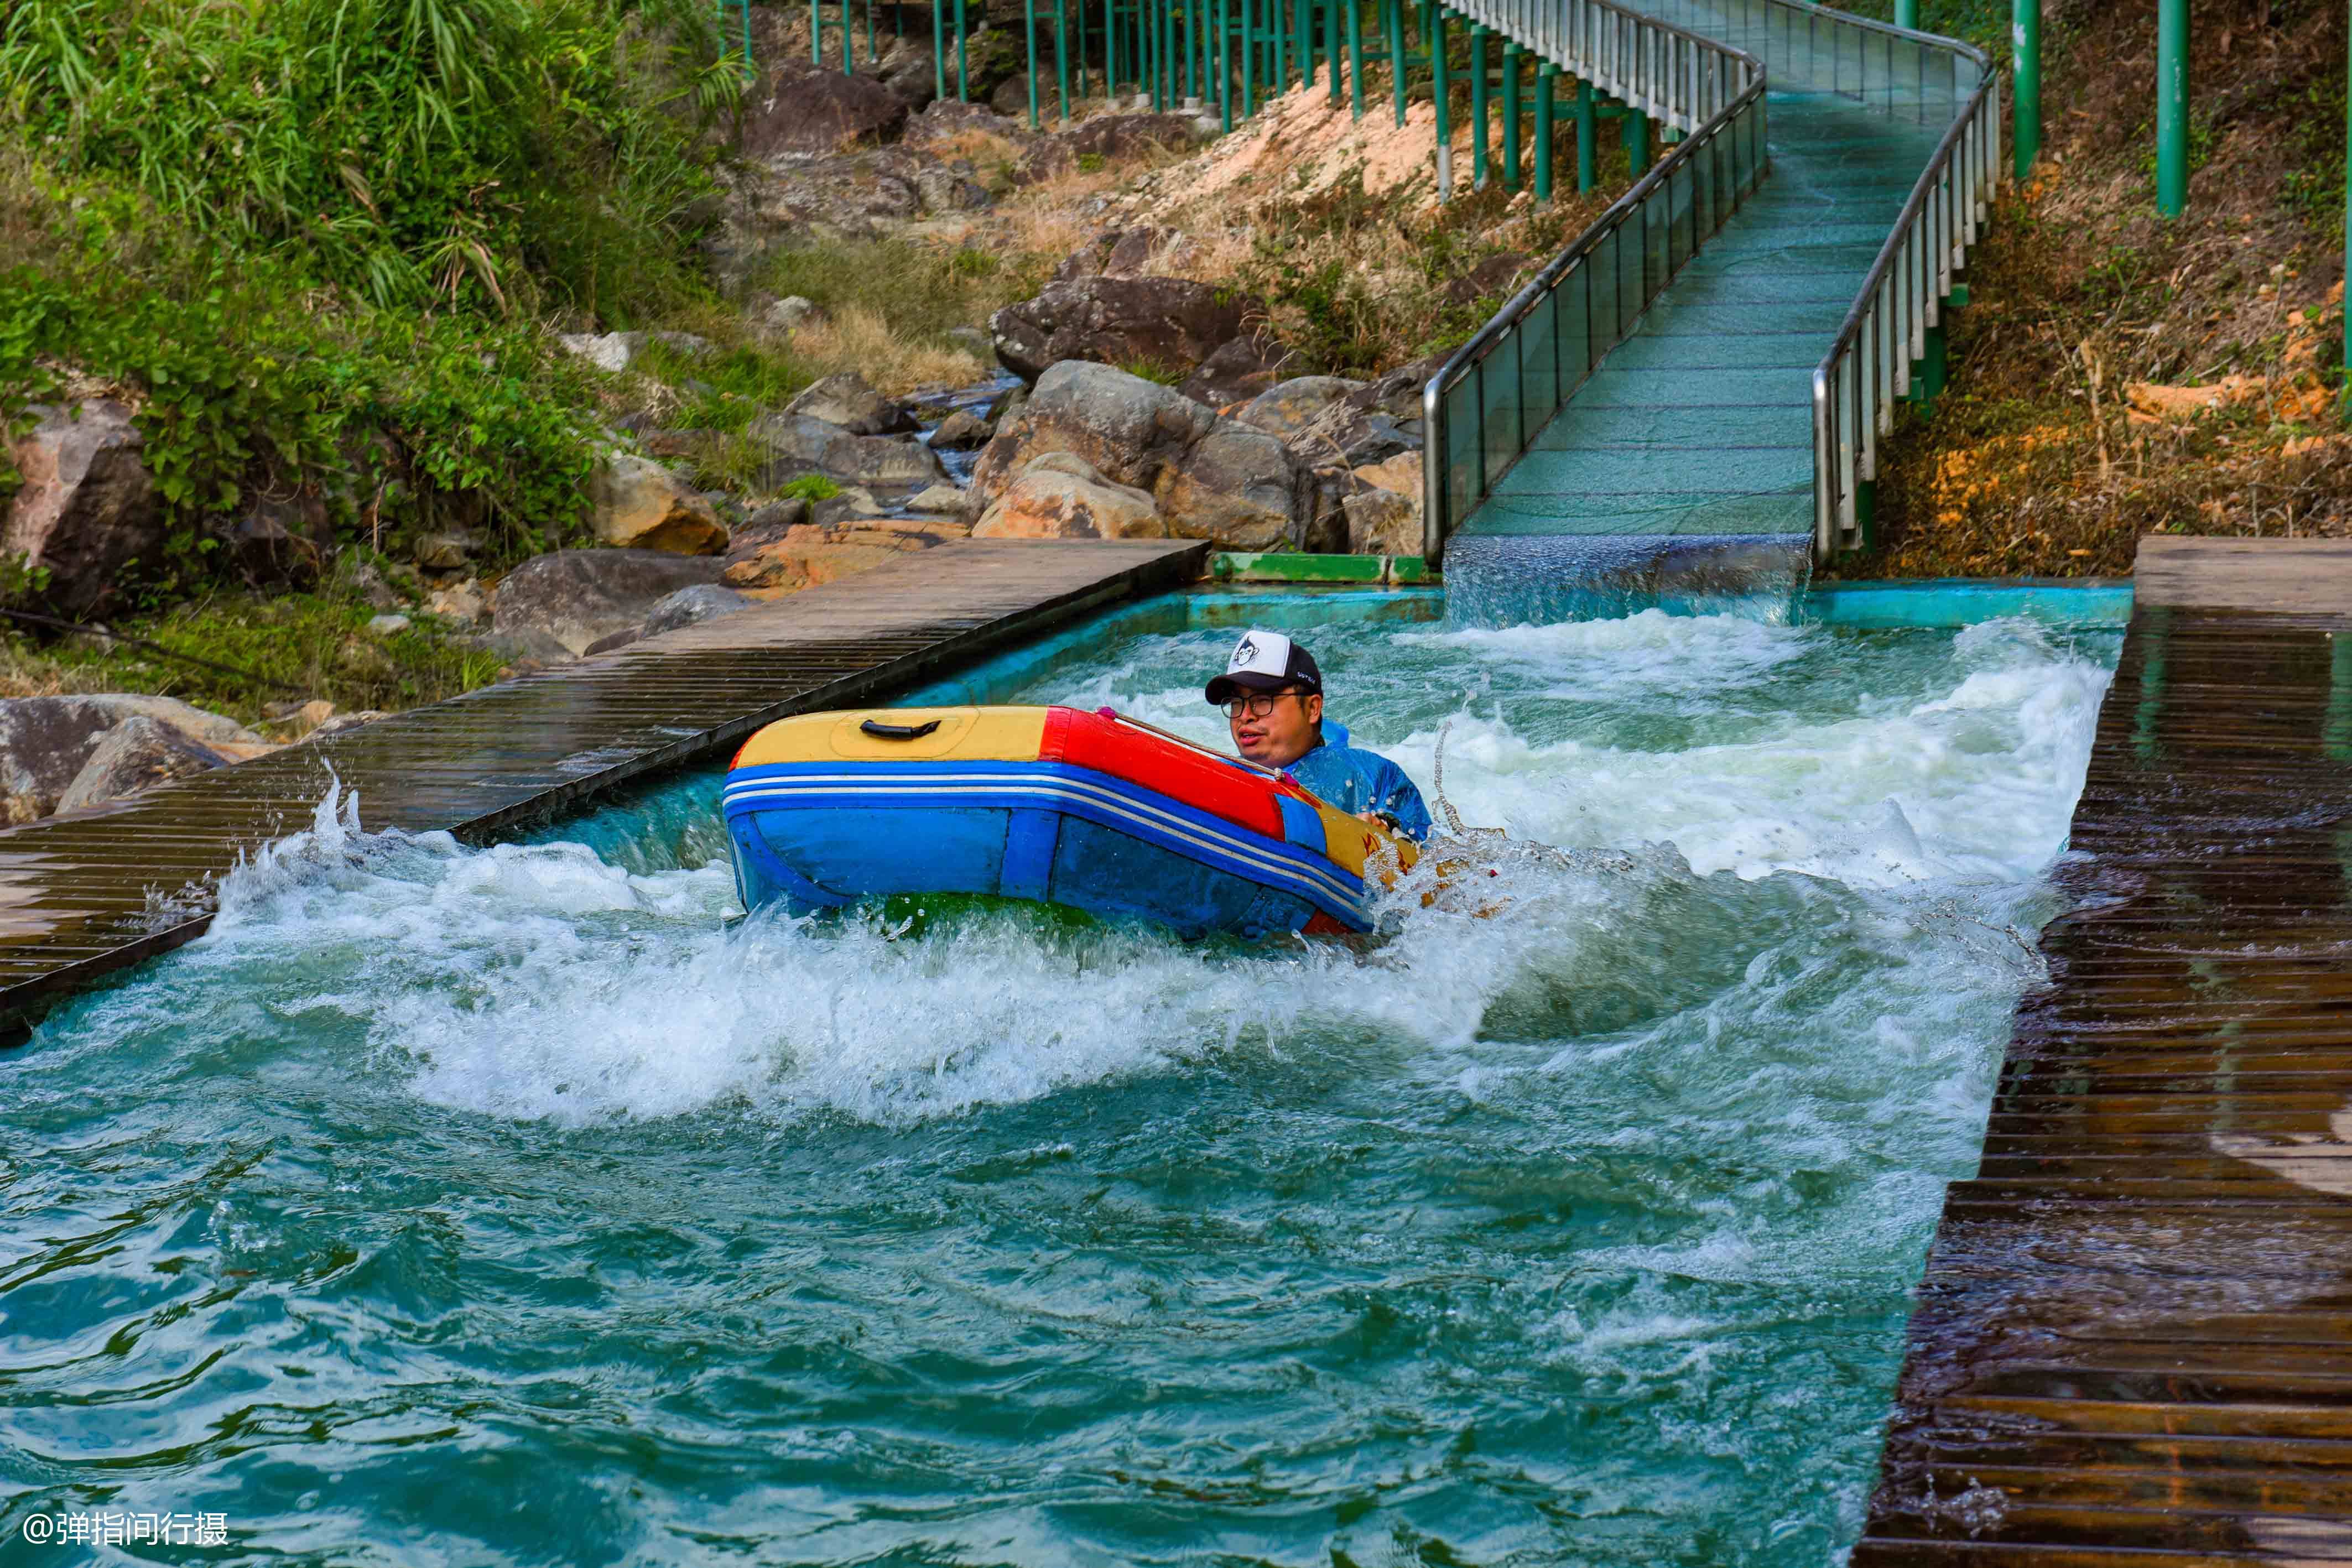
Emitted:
pixel 1265 662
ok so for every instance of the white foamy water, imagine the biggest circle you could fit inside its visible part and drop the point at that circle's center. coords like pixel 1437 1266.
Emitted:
pixel 542 981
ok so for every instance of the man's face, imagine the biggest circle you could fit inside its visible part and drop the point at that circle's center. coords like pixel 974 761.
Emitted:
pixel 1283 734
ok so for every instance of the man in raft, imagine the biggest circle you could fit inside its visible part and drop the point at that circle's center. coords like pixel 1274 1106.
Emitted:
pixel 1272 692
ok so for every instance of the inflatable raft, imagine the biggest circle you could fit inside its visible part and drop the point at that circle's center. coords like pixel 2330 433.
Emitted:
pixel 1051 804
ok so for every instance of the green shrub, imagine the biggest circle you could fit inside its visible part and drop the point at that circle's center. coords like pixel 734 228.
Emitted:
pixel 468 151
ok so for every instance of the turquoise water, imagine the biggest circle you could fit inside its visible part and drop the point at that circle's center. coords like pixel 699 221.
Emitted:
pixel 506 1205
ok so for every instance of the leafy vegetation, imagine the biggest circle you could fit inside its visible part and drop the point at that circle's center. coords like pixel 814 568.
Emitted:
pixel 317 244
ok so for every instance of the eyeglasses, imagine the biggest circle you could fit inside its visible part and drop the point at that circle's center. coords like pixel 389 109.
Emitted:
pixel 1260 706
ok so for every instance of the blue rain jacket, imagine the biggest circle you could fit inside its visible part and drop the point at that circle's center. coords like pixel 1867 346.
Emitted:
pixel 1356 780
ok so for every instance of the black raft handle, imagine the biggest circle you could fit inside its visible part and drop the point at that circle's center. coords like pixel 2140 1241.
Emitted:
pixel 875 726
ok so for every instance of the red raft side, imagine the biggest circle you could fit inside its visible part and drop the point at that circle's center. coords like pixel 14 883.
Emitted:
pixel 1199 780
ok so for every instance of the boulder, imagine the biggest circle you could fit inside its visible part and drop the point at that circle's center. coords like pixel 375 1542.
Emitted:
pixel 1239 487
pixel 639 505
pixel 1172 322
pixel 611 352
pixel 1396 394
pixel 843 399
pixel 1132 430
pixel 391 625
pixel 949 125
pixel 908 69
pixel 1402 474
pixel 572 597
pixel 804 108
pixel 1061 497
pixel 961 430
pixel 798 444
pixel 1363 438
pixel 1382 522
pixel 816 553
pixel 131 755
pixel 462 602
pixel 1236 371
pixel 1290 408
pixel 1106 136
pixel 940 500
pixel 689 606
pixel 447 551
pixel 790 314
pixel 1211 477
pixel 46 741
pixel 283 541
pixel 88 507
pixel 1121 253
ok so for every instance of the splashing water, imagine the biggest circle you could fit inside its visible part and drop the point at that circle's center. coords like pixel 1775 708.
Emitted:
pixel 508 1205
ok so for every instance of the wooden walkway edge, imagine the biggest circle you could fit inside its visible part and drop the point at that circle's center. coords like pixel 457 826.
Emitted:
pixel 2133 1341
pixel 87 895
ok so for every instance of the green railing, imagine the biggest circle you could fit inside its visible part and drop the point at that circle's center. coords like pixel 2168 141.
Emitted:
pixel 1491 398
pixel 1485 407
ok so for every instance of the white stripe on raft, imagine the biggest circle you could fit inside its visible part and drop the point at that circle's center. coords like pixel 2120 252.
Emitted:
pixel 1300 872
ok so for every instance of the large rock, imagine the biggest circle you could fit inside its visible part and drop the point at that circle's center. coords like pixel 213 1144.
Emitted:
pixel 1061 497
pixel 1172 322
pixel 46 741
pixel 1106 136
pixel 1237 370
pixel 88 507
pixel 1296 407
pixel 816 553
pixel 951 126
pixel 804 108
pixel 574 597
pixel 131 755
pixel 799 445
pixel 639 505
pixel 1211 477
pixel 843 399
pixel 1382 522
pixel 908 69
pixel 1398 392
pixel 691 606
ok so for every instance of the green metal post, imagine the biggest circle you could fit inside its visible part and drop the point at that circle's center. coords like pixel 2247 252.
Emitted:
pixel 1635 129
pixel 963 83
pixel 1030 7
pixel 2172 107
pixel 872 53
pixel 2025 41
pixel 938 47
pixel 1396 53
pixel 1510 115
pixel 817 33
pixel 1588 131
pixel 1332 47
pixel 1928 371
pixel 1191 50
pixel 1224 67
pixel 1249 57
pixel 1439 91
pixel 1543 130
pixel 1478 170
pixel 1356 57
pixel 1906 14
pixel 1062 55
pixel 848 37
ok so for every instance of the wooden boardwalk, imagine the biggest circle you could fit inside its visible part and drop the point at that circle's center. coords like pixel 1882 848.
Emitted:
pixel 85 894
pixel 2134 1344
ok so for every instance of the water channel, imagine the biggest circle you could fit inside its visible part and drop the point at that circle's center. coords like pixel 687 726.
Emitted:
pixel 513 1205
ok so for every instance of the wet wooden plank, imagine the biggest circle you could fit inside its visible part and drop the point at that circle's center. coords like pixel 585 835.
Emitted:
pixel 84 895
pixel 2134 1341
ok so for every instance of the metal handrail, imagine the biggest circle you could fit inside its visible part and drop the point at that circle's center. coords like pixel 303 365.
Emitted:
pixel 1618 50
pixel 1952 199
pixel 1901 295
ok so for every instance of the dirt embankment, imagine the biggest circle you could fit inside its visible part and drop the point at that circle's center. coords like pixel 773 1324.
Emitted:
pixel 2117 372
